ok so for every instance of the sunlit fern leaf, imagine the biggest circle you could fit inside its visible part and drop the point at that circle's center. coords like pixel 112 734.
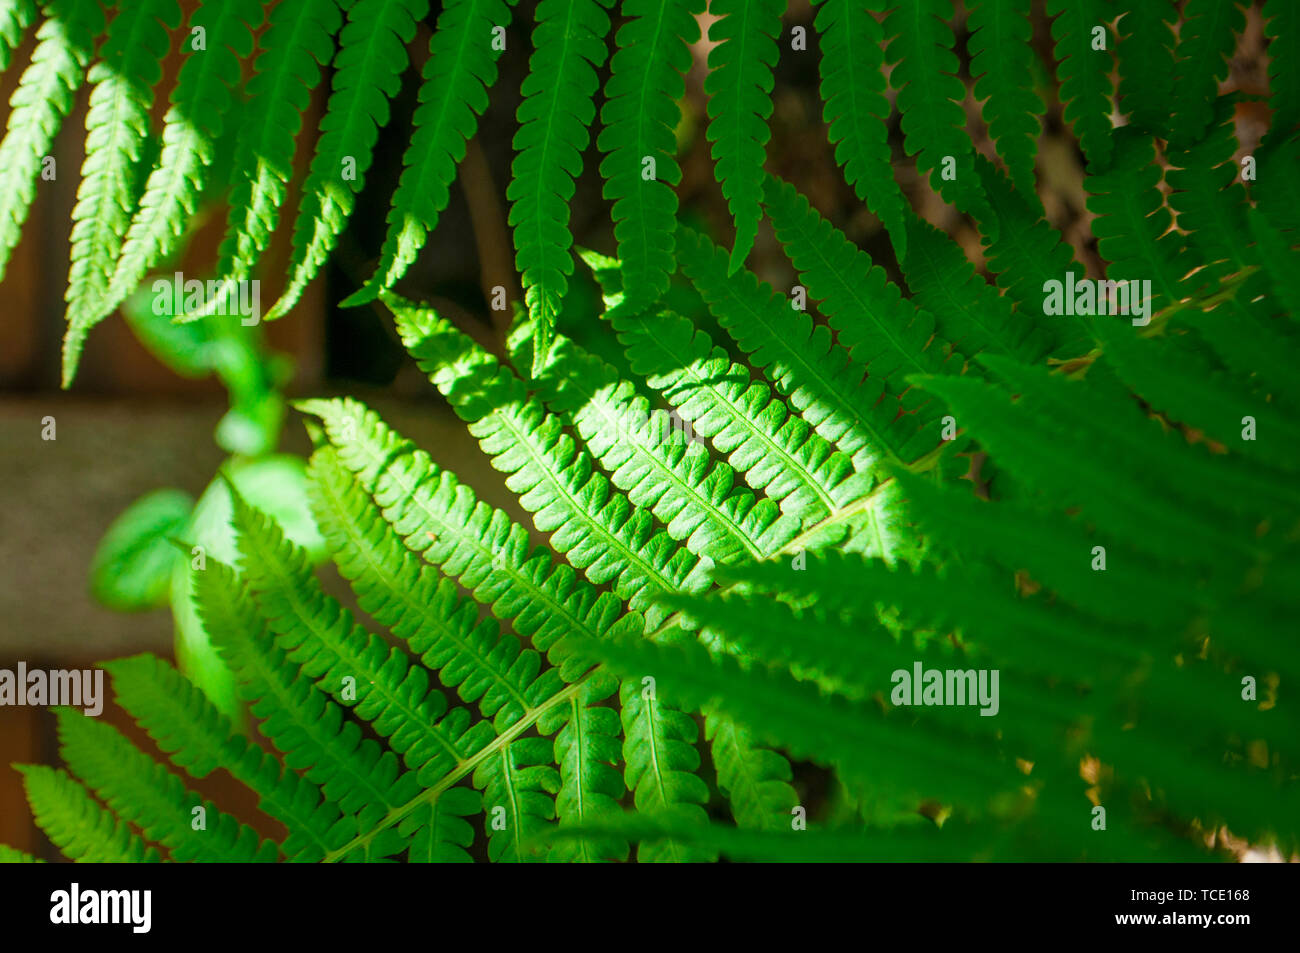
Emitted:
pixel 298 42
pixel 739 86
pixel 197 737
pixel 599 532
pixel 755 779
pixel 1079 29
pixel 999 46
pixel 117 125
pixel 929 98
pixel 454 92
pixel 856 111
pixel 519 786
pixel 659 747
pixel 367 73
pixel 77 824
pixel 380 683
pixel 658 465
pixel 587 750
pixel 220 37
pixel 1146 64
pixel 144 793
pixel 45 94
pixel 819 379
pixel 16 16
pixel 297 717
pixel 555 117
pixel 639 118
pixel 1283 31
pixel 1206 39
pixel 775 451
pixel 485 665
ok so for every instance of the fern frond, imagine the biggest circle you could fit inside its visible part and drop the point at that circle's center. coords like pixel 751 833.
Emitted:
pixel 16 16
pixel 484 664
pixel 555 116
pixel 346 661
pixel 146 794
pixel 204 93
pixel 659 748
pixel 297 44
pixel 519 786
pixel 599 533
pixel 77 824
pixel 754 779
pixel 739 87
pixel 129 67
pixel 855 109
pixel 1084 73
pixel 1282 28
pixel 1206 39
pixel 659 467
pixel 999 47
pixel 367 74
pixel 460 70
pixel 197 737
pixel 1132 223
pixel 776 452
pixel 39 105
pixel 297 717
pixel 587 750
pixel 11 855
pixel 968 312
pixel 1146 64
pixel 639 118
pixel 438 830
pixel 481 547
pixel 929 99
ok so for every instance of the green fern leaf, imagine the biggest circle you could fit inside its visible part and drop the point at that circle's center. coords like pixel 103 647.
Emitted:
pixel 929 98
pixel 518 786
pixel 199 103
pixel 129 67
pixel 77 824
pixel 776 452
pixel 856 112
pixel 586 750
pixel 484 664
pixel 739 86
pixel 346 661
pixel 1084 73
pixel 755 780
pixel 146 794
pixel 659 748
pixel 1283 31
pixel 999 46
pixel 16 16
pixel 38 107
pixel 196 736
pixel 438 830
pixel 637 138
pixel 1206 39
pixel 298 42
pixel 1146 64
pixel 554 119
pixel 297 717
pixel 660 468
pixel 367 74
pixel 460 70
